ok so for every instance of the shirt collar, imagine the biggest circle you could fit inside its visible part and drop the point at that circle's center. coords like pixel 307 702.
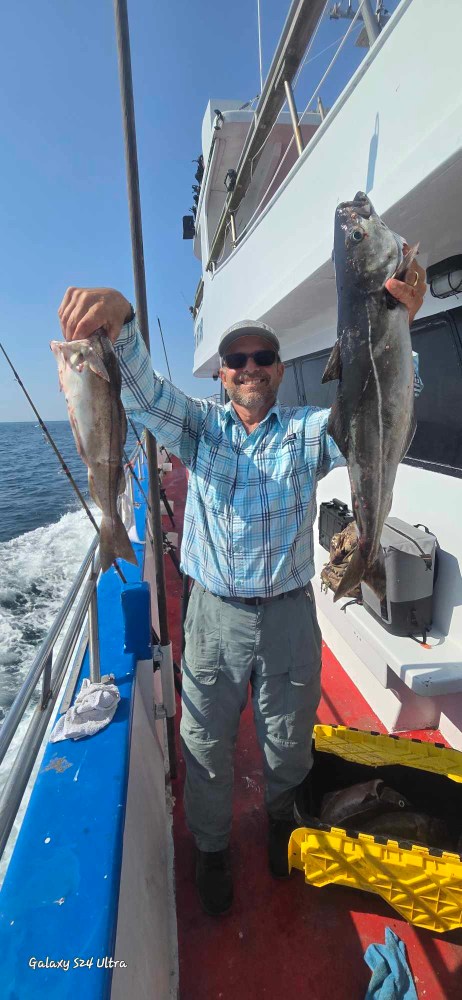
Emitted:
pixel 230 414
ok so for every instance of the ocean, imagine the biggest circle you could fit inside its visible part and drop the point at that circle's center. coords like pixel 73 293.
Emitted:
pixel 44 535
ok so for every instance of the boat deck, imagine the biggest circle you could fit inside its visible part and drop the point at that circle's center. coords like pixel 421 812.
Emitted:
pixel 286 938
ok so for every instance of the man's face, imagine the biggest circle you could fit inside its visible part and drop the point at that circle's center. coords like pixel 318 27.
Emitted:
pixel 252 386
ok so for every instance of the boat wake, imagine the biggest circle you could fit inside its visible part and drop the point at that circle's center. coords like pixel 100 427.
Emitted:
pixel 36 572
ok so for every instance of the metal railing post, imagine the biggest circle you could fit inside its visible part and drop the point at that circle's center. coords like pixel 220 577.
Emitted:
pixel 46 681
pixel 371 23
pixel 28 686
pixel 93 635
pixel 294 116
pixel 233 229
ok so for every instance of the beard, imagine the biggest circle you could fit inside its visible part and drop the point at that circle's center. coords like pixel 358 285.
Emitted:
pixel 252 393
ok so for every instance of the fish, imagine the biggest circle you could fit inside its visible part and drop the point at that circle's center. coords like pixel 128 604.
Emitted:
pixel 372 418
pixel 89 376
pixel 417 827
pixel 361 802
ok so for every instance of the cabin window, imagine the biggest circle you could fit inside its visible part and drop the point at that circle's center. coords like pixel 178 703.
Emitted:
pixel 312 370
pixel 437 442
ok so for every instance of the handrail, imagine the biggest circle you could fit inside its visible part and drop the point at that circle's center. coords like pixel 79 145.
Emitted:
pixel 53 675
pixel 21 769
pixel 198 297
pixel 26 691
pixel 300 24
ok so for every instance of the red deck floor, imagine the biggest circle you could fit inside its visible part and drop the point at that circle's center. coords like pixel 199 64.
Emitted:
pixel 287 939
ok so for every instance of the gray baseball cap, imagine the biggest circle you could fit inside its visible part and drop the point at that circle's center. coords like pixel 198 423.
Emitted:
pixel 249 327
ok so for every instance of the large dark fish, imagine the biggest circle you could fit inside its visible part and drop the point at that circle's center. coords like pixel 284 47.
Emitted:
pixel 90 378
pixel 372 420
pixel 361 802
pixel 408 825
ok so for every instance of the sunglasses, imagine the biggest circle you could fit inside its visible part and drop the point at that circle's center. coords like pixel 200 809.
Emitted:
pixel 264 359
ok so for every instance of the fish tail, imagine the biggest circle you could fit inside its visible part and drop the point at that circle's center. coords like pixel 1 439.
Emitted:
pixel 352 576
pixel 357 570
pixel 375 576
pixel 114 542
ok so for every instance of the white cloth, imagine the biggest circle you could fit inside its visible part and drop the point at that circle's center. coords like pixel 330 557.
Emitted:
pixel 93 709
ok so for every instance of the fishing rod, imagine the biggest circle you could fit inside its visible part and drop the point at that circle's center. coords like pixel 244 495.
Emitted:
pixel 161 488
pixel 57 452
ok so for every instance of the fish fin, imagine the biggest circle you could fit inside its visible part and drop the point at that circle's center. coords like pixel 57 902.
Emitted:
pixel 92 489
pixel 96 364
pixel 114 542
pixel 357 570
pixel 400 274
pixel 333 368
pixel 406 262
pixel 336 429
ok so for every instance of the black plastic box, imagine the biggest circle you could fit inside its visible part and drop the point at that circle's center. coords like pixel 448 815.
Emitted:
pixel 333 517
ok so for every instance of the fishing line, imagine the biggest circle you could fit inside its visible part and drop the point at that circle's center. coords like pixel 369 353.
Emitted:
pixel 58 454
pixel 165 352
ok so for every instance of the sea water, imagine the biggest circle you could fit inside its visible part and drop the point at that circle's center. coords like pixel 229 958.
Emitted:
pixel 44 536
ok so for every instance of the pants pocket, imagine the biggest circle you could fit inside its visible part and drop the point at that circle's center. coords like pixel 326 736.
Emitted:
pixel 305 641
pixel 203 635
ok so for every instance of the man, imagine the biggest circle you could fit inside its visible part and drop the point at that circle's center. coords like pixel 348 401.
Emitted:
pixel 248 547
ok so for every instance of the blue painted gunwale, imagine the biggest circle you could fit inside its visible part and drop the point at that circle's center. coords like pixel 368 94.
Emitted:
pixel 59 900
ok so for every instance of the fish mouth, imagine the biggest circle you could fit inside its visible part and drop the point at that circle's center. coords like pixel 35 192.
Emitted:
pixel 360 206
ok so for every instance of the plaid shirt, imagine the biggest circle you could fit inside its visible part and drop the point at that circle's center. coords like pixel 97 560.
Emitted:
pixel 251 504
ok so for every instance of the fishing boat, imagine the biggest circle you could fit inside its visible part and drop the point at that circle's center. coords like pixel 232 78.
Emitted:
pixel 99 896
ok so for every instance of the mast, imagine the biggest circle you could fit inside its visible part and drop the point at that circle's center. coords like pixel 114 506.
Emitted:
pixel 131 161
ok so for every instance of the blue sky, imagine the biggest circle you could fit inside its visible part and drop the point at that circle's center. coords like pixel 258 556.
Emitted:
pixel 63 204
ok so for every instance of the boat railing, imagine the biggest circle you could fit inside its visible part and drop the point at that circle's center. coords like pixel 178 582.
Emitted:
pixel 74 628
pixel 291 56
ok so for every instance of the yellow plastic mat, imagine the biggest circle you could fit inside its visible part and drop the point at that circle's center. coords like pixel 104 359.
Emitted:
pixel 423 884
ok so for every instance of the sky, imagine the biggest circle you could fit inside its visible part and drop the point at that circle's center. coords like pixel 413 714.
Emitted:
pixel 63 205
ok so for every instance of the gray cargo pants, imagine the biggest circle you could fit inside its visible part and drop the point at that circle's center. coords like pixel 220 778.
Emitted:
pixel 277 648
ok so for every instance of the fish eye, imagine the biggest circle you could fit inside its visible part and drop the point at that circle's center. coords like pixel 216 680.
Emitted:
pixel 357 235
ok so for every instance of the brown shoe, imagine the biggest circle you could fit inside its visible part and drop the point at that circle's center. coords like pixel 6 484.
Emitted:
pixel 214 881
